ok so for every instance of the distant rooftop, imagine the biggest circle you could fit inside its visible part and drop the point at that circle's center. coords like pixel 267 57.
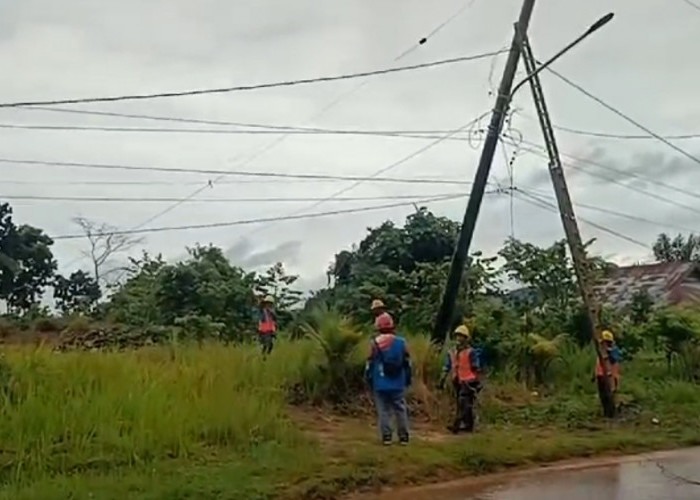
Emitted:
pixel 666 283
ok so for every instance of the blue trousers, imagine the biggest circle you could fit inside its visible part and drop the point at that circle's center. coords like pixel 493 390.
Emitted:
pixel 392 403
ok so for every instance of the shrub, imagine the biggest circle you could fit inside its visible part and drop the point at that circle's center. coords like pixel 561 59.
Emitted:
pixel 78 325
pixel 7 327
pixel 48 325
pixel 674 328
pixel 339 377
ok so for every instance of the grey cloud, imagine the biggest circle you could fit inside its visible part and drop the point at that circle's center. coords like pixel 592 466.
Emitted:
pixel 245 254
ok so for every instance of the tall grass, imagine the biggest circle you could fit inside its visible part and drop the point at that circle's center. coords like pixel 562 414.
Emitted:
pixel 66 412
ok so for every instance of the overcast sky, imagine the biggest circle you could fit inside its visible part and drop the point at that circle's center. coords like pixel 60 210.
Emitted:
pixel 640 63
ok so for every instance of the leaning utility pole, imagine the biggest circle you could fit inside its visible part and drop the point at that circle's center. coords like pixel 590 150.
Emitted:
pixel 459 259
pixel 568 219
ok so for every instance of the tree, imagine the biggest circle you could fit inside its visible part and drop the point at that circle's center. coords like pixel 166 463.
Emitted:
pixel 278 284
pixel 407 268
pixel 77 293
pixel 207 285
pixel 105 243
pixel 548 271
pixel 135 301
pixel 680 248
pixel 26 262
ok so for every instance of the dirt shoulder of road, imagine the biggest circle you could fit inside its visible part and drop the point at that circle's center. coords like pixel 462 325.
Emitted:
pixel 358 467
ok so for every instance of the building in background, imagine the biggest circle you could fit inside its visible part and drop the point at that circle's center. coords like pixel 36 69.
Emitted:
pixel 665 283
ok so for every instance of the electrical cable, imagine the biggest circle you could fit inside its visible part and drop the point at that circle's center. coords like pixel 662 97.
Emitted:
pixel 271 129
pixel 611 135
pixel 256 154
pixel 233 173
pixel 692 4
pixel 421 134
pixel 618 182
pixel 436 30
pixel 534 200
pixel 624 116
pixel 266 219
pixel 107 199
pixel 608 211
pixel 242 88
pixel 389 167
pixel 279 140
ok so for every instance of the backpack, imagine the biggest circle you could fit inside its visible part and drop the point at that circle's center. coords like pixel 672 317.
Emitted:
pixel 392 368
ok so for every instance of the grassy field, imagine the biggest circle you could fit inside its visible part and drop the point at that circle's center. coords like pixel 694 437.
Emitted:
pixel 215 422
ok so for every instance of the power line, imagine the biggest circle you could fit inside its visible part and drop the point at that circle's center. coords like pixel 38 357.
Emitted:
pixel 265 219
pixel 618 182
pixel 436 30
pixel 607 135
pixel 612 135
pixel 535 200
pixel 625 117
pixel 242 88
pixel 108 199
pixel 266 129
pixel 393 165
pixel 692 4
pixel 608 211
pixel 232 173
pixel 419 134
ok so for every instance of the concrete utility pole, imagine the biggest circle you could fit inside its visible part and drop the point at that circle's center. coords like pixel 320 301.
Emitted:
pixel 445 315
pixel 568 219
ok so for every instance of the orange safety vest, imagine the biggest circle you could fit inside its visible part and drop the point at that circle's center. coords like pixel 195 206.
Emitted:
pixel 614 370
pixel 266 325
pixel 462 369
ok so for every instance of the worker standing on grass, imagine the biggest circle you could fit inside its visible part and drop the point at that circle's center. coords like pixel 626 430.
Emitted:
pixel 463 366
pixel 267 325
pixel 388 372
pixel 613 355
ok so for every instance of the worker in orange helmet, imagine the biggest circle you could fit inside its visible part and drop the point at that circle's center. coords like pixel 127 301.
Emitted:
pixel 463 366
pixel 267 325
pixel 388 372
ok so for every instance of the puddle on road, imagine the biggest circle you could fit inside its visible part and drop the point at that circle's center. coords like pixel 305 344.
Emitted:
pixel 659 476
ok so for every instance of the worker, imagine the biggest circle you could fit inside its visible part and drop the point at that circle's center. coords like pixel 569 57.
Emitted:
pixel 388 372
pixel 463 366
pixel 377 308
pixel 267 325
pixel 612 354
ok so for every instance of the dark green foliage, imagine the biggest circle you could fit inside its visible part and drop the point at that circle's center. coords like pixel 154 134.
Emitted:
pixel 276 283
pixel 27 265
pixel 339 377
pixel 407 268
pixel 680 248
pixel 78 293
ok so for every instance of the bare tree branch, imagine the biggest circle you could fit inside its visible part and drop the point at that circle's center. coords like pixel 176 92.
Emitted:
pixel 104 244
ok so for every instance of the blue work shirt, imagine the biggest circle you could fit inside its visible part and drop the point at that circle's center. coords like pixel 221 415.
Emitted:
pixel 393 350
pixel 614 355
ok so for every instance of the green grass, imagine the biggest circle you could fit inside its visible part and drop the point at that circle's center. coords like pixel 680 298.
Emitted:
pixel 214 422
